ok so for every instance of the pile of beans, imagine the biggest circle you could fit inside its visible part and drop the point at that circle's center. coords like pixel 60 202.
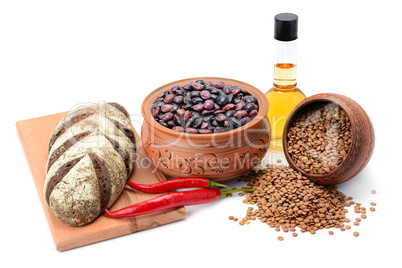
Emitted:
pixel 286 200
pixel 204 107
pixel 320 138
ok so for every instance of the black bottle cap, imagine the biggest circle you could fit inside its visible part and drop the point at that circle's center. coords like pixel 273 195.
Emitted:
pixel 286 27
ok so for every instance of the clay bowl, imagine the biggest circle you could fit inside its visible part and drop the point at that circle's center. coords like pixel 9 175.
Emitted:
pixel 362 144
pixel 219 156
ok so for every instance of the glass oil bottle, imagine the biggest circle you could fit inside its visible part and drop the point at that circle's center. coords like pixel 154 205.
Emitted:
pixel 284 95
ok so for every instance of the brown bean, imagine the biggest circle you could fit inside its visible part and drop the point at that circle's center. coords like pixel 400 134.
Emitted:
pixel 191 130
pixel 156 111
pixel 166 117
pixel 205 94
pixel 240 114
pixel 169 98
pixel 178 128
pixel 228 106
pixel 204 131
pixel 253 113
pixel 186 116
pixel 235 91
pixel 166 108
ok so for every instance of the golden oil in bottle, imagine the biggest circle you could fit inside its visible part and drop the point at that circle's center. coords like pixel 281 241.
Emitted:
pixel 283 98
pixel 284 95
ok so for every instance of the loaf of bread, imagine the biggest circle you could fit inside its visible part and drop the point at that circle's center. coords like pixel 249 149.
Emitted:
pixel 92 152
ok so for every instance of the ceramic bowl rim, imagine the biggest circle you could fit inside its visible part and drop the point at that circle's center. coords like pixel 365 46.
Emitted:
pixel 252 90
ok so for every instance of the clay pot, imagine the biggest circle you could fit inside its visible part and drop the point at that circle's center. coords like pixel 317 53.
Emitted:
pixel 362 145
pixel 219 156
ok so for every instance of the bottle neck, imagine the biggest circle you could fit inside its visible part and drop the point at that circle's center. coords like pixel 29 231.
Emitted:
pixel 285 64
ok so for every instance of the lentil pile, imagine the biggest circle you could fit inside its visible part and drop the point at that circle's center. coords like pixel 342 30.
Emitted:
pixel 320 138
pixel 286 200
pixel 204 107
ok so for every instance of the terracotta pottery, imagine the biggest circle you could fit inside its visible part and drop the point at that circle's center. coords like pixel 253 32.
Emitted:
pixel 362 145
pixel 219 156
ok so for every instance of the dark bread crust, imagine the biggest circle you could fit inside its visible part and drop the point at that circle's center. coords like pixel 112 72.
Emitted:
pixel 102 174
pixel 81 115
pixel 120 108
pixel 64 147
pixel 53 181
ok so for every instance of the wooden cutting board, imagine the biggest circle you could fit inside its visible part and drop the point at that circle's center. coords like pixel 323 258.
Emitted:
pixel 34 135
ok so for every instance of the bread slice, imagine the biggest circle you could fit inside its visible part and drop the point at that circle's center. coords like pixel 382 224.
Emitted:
pixel 92 152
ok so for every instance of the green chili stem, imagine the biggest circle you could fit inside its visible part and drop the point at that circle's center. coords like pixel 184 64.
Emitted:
pixel 212 183
pixel 236 190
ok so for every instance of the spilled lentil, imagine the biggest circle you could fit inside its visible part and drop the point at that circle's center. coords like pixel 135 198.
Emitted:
pixel 286 199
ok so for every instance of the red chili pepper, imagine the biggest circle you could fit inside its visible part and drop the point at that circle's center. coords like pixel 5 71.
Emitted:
pixel 171 200
pixel 173 184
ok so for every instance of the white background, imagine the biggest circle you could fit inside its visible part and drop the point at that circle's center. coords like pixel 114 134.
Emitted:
pixel 57 54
